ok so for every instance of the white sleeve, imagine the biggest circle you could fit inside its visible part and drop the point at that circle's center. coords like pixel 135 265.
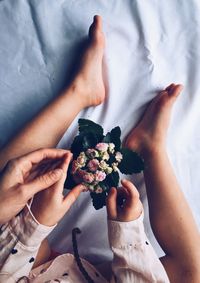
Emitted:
pixel 20 240
pixel 134 258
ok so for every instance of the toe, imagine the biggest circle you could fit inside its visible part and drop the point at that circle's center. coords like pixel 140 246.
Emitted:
pixel 170 87
pixel 96 33
pixel 98 22
pixel 175 91
pixel 95 27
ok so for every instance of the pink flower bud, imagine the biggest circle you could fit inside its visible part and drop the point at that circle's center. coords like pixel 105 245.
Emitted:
pixel 102 146
pixel 100 176
pixel 92 153
pixel 78 176
pixel 75 167
pixel 93 165
pixel 88 177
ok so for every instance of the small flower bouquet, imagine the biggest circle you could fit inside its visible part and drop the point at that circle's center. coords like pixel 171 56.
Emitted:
pixel 98 159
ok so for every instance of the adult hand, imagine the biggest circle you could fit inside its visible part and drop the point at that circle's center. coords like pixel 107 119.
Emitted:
pixel 21 179
pixel 49 206
pixel 132 206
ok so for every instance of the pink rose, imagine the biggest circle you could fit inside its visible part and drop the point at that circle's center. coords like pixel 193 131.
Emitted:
pixel 75 167
pixel 81 161
pixel 93 165
pixel 88 177
pixel 78 176
pixel 92 153
pixel 102 146
pixel 100 176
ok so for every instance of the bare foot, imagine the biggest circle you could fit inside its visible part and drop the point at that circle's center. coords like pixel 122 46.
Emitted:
pixel 151 131
pixel 88 82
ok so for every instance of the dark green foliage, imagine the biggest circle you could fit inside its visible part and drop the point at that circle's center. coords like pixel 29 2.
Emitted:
pixel 82 142
pixel 90 134
pixel 87 126
pixel 98 200
pixel 114 137
pixel 112 179
pixel 131 162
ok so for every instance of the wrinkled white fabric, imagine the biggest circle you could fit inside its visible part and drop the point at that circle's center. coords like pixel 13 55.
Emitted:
pixel 149 44
pixel 134 258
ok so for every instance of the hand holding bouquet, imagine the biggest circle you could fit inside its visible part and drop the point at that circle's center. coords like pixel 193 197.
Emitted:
pixel 98 159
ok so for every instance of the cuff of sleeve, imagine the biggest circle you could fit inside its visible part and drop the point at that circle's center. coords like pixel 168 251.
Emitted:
pixel 124 234
pixel 28 230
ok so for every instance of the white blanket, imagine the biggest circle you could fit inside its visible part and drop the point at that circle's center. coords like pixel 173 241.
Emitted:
pixel 149 44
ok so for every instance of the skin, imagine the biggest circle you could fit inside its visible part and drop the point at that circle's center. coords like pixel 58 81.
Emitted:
pixel 132 207
pixel 87 89
pixel 24 178
pixel 164 194
pixel 17 185
pixel 178 234
pixel 46 129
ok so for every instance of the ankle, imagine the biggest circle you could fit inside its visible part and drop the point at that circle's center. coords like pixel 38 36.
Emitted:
pixel 75 92
pixel 153 151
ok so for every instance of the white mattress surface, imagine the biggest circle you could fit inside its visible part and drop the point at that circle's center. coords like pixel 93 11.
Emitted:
pixel 149 44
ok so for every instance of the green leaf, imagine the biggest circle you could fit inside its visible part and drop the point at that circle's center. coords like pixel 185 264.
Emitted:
pixel 116 137
pixel 131 162
pixel 107 138
pixel 88 126
pixel 82 142
pixel 99 200
pixel 112 180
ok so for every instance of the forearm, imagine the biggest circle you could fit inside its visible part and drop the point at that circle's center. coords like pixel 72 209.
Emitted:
pixel 171 218
pixel 46 129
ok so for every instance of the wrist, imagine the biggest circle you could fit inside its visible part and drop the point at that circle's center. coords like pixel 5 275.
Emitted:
pixel 42 218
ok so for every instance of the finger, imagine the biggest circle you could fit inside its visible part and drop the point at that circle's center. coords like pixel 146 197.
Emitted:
pixel 26 162
pixel 133 192
pixel 72 196
pixel 42 182
pixel 122 192
pixel 111 204
pixel 122 196
pixel 64 166
pixel 42 168
pixel 66 161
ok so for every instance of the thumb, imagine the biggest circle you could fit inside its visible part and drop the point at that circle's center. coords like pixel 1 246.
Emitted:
pixel 44 181
pixel 72 196
pixel 111 204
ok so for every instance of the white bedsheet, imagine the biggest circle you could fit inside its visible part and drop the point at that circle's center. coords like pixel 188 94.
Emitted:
pixel 149 44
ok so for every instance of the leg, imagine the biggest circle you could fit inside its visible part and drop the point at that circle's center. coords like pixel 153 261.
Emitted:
pixel 171 218
pixel 87 89
pixel 46 129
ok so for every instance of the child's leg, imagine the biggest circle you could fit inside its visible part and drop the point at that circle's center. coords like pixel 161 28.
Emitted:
pixel 171 218
pixel 87 89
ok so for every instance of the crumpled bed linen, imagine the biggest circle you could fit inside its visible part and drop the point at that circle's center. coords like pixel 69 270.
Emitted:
pixel 149 44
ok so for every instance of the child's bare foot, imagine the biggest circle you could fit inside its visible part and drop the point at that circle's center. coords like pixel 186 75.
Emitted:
pixel 150 133
pixel 88 82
